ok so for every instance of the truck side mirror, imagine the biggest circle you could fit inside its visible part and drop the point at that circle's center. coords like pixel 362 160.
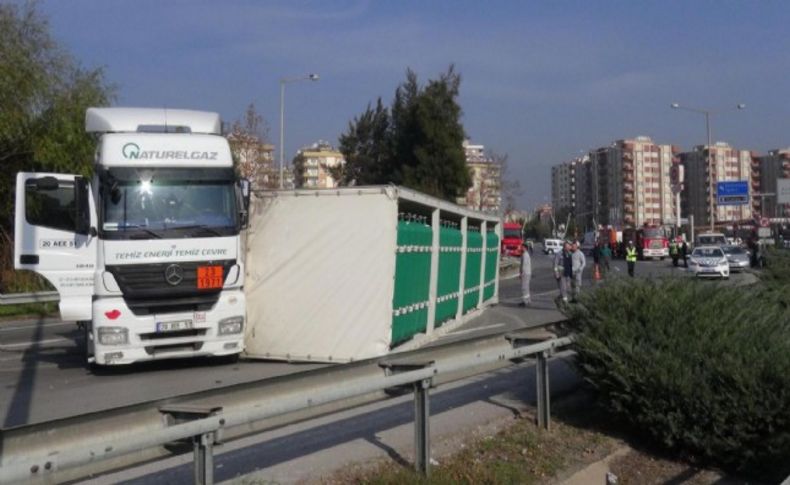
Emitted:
pixel 82 206
pixel 245 190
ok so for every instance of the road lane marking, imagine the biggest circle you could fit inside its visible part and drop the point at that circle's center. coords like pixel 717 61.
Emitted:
pixel 33 344
pixel 24 327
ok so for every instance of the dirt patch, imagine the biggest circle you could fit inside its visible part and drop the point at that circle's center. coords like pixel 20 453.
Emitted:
pixel 514 450
pixel 510 450
pixel 637 467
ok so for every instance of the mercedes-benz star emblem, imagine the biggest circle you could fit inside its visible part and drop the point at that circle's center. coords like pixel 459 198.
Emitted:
pixel 174 274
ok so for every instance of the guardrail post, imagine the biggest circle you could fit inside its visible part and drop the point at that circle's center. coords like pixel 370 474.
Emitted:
pixel 523 339
pixel 202 444
pixel 422 432
pixel 422 409
pixel 204 458
pixel 542 380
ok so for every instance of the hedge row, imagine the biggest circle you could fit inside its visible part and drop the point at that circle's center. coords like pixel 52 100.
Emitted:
pixel 702 369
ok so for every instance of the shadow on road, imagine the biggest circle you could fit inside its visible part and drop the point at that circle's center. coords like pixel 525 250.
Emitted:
pixel 517 383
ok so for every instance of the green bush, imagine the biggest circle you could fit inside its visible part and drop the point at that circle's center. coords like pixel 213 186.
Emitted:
pixel 702 369
pixel 777 269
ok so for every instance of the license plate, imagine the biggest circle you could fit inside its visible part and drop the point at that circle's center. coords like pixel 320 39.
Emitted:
pixel 173 326
pixel 209 277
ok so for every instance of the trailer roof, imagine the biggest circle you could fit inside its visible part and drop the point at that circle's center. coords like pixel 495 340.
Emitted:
pixel 393 191
pixel 162 120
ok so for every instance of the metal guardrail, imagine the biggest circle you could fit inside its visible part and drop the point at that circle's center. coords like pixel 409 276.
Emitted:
pixel 46 452
pixel 21 298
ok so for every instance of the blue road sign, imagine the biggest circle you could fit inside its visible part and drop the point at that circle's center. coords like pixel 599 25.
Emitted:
pixel 734 192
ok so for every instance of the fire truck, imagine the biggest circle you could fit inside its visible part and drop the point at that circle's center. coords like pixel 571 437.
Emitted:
pixel 651 241
pixel 512 239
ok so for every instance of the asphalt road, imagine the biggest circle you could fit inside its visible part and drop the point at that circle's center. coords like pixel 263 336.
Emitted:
pixel 43 377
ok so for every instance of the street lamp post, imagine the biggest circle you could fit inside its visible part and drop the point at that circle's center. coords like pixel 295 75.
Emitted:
pixel 283 82
pixel 707 114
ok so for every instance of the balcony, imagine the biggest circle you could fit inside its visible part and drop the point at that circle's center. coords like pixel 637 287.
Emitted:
pixel 628 197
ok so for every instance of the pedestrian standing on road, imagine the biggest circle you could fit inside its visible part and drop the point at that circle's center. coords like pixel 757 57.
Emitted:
pixel 578 262
pixel 684 253
pixel 606 258
pixel 596 254
pixel 563 270
pixel 674 252
pixel 630 258
pixel 526 275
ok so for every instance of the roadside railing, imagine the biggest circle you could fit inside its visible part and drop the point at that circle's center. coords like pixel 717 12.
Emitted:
pixel 22 298
pixel 42 452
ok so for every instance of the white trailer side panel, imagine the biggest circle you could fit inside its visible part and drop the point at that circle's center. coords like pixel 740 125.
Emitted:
pixel 320 276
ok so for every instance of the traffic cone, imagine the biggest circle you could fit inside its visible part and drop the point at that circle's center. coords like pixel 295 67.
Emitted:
pixel 597 273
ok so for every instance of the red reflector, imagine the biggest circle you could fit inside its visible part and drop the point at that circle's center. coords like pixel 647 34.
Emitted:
pixel 112 314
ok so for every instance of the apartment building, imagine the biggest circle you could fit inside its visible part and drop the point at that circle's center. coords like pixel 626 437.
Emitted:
pixel 485 193
pixel 314 164
pixel 626 184
pixel 726 164
pixel 772 166
pixel 563 184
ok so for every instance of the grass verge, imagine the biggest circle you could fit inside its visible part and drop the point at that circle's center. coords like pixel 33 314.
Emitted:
pixel 518 452
pixel 29 310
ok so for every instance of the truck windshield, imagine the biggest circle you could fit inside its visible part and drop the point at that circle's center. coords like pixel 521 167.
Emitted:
pixel 512 233
pixel 654 233
pixel 168 203
pixel 711 240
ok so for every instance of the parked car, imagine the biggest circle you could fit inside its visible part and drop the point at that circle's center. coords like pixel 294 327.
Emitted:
pixel 709 261
pixel 551 246
pixel 737 257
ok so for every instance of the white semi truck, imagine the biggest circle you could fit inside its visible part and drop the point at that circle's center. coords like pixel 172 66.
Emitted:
pixel 147 254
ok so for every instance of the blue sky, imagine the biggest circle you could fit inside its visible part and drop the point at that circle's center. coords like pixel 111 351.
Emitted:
pixel 541 81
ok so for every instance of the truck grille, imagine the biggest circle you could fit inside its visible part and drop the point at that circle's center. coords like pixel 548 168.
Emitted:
pixel 145 289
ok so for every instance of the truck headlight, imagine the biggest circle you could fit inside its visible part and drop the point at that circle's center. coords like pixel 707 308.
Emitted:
pixel 113 335
pixel 229 326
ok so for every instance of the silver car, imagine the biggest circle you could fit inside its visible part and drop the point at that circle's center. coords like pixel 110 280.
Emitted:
pixel 709 261
pixel 737 257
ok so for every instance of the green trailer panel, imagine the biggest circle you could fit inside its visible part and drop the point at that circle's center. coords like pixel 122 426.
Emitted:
pixel 492 267
pixel 474 247
pixel 412 280
pixel 450 242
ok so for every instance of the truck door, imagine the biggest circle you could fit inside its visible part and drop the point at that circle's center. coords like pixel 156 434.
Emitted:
pixel 55 236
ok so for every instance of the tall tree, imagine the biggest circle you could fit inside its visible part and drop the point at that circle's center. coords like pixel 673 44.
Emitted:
pixel 416 143
pixel 429 136
pixel 366 147
pixel 509 188
pixel 252 154
pixel 44 93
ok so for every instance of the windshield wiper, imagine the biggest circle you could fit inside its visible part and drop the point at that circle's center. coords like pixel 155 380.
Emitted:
pixel 200 228
pixel 144 229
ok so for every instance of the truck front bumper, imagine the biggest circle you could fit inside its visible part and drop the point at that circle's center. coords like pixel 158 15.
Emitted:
pixel 121 337
pixel 655 253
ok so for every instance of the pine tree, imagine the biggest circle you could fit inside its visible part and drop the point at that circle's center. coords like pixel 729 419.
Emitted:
pixel 416 143
pixel 366 147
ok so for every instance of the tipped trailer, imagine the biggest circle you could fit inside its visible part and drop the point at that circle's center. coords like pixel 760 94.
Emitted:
pixel 337 275
pixel 150 255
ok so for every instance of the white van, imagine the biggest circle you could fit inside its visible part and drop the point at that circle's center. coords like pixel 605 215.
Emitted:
pixel 551 246
pixel 710 239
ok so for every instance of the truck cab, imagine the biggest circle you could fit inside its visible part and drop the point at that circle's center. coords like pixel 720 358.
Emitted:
pixel 146 253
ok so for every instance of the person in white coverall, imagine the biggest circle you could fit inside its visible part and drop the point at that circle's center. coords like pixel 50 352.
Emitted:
pixel 526 275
